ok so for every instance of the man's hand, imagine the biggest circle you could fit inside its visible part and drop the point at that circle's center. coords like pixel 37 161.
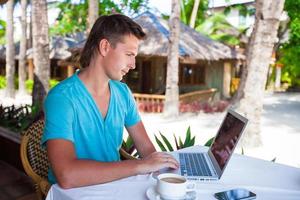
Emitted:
pixel 156 161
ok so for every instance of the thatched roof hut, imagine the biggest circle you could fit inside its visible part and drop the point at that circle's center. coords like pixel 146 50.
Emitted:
pixel 59 47
pixel 192 45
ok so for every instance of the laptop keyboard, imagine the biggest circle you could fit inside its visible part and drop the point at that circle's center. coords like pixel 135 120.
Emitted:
pixel 194 164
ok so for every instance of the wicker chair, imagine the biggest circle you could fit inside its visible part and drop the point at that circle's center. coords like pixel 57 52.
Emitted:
pixel 34 157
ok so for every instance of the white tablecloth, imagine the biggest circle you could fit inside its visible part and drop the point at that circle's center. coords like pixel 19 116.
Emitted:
pixel 270 181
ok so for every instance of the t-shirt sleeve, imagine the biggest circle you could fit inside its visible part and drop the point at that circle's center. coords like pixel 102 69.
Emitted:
pixel 132 115
pixel 59 117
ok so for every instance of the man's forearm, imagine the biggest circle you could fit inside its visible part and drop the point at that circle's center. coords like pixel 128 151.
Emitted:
pixel 88 172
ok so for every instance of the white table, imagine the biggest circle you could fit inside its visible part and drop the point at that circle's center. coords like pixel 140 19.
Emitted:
pixel 270 181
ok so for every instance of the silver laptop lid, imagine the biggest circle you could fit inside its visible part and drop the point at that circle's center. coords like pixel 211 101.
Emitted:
pixel 226 140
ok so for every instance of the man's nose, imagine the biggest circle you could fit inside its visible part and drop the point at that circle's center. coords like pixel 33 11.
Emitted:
pixel 132 64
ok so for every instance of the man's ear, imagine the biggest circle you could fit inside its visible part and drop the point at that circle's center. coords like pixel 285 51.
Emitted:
pixel 104 47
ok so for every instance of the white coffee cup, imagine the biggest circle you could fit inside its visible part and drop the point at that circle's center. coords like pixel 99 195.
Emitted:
pixel 173 186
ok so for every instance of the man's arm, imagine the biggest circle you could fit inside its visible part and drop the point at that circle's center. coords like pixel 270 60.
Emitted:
pixel 141 139
pixel 71 172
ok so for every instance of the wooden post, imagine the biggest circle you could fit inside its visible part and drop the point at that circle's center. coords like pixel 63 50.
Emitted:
pixel 70 70
pixel 30 69
pixel 226 79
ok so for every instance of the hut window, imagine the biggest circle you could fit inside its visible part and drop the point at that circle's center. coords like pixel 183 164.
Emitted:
pixel 191 74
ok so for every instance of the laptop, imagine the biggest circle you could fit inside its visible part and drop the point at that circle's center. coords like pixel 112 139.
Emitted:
pixel 211 165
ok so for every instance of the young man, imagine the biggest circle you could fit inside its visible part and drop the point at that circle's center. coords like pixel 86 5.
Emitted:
pixel 86 113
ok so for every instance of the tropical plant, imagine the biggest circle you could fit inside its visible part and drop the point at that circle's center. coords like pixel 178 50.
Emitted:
pixel 243 10
pixel 2 31
pixel 129 147
pixel 218 28
pixel 72 17
pixel 28 83
pixel 132 7
pixel 15 118
pixel 289 52
pixel 165 145
pixel 186 9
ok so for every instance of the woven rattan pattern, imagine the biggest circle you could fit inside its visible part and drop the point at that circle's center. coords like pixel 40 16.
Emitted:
pixel 37 155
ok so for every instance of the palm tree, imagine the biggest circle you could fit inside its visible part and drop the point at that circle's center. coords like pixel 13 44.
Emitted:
pixel 259 53
pixel 41 50
pixel 93 13
pixel 171 107
pixel 23 45
pixel 194 13
pixel 10 51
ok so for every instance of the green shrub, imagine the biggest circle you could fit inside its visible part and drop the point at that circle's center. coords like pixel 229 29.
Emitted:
pixel 164 144
pixel 28 83
pixel 2 82
pixel 17 119
pixel 53 83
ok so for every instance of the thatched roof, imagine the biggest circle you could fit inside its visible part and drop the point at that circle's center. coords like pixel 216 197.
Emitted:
pixel 59 47
pixel 191 44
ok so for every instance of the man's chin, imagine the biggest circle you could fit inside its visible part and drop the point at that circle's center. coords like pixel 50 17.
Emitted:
pixel 117 78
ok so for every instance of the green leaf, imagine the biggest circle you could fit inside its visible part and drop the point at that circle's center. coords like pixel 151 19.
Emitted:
pixel 176 143
pixel 129 142
pixel 273 160
pixel 209 142
pixel 180 143
pixel 160 144
pixel 166 142
pixel 243 153
pixel 187 137
pixel 192 143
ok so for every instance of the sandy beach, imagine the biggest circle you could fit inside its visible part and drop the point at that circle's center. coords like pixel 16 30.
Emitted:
pixel 280 126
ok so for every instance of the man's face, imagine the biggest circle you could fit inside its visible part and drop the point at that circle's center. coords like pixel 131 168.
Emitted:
pixel 121 58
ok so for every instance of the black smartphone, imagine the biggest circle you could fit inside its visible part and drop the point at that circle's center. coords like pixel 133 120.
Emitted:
pixel 235 194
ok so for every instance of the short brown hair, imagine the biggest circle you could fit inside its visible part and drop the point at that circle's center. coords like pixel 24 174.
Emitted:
pixel 111 27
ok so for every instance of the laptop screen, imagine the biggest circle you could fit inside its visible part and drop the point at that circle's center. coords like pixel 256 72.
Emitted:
pixel 226 139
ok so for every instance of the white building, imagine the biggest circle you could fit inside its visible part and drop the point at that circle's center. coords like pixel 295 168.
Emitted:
pixel 234 17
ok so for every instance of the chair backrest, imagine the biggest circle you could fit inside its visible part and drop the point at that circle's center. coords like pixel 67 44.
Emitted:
pixel 33 156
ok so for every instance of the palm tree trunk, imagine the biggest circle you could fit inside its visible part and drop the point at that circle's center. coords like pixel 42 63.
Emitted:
pixel 171 107
pixel 41 50
pixel 93 13
pixel 194 13
pixel 10 51
pixel 263 38
pixel 23 48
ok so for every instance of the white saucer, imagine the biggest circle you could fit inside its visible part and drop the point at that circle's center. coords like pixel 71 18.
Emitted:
pixel 153 195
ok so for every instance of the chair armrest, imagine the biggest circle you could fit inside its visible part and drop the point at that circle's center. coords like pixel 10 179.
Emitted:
pixel 44 186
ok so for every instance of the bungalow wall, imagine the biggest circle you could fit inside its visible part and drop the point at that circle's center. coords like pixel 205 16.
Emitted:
pixel 149 76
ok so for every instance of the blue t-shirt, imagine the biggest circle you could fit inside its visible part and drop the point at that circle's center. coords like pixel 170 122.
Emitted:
pixel 72 114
